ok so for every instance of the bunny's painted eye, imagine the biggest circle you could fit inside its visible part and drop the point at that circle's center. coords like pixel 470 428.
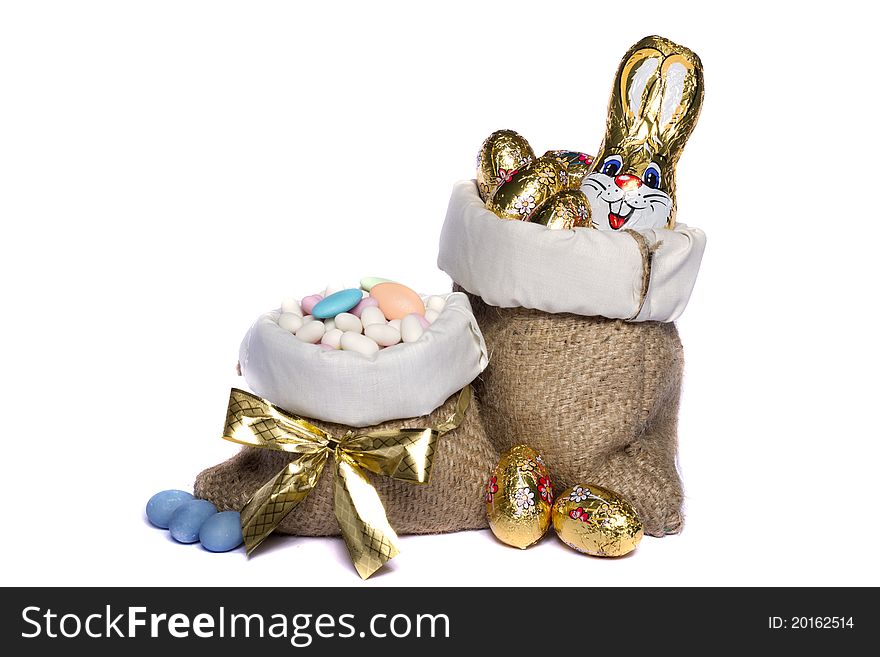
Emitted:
pixel 612 165
pixel 651 177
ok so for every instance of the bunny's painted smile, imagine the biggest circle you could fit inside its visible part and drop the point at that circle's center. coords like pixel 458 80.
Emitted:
pixel 617 217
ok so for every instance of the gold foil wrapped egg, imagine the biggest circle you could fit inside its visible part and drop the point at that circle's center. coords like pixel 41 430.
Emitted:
pixel 502 154
pixel 519 497
pixel 596 521
pixel 521 195
pixel 569 208
pixel 576 165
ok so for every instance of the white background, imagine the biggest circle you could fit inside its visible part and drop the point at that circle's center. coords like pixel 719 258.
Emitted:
pixel 168 170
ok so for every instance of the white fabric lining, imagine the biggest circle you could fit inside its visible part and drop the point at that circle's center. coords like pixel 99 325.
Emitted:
pixel 403 381
pixel 582 271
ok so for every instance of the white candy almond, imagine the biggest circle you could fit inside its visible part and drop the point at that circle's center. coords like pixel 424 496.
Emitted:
pixel 352 341
pixel 372 315
pixel 311 332
pixel 385 335
pixel 290 322
pixel 411 328
pixel 332 338
pixel 348 322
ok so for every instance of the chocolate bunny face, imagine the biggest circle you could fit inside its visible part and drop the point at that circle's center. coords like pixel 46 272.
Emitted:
pixel 655 103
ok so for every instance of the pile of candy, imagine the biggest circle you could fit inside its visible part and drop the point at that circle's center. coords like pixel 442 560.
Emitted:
pixel 379 314
pixel 543 190
pixel 190 520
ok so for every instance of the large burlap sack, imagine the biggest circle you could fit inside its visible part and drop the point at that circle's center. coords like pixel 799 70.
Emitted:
pixel 342 391
pixel 585 362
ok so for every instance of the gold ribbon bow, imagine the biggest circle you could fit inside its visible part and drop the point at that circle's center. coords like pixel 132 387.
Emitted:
pixel 403 454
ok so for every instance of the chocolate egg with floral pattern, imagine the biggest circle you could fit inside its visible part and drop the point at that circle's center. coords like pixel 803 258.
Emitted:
pixel 596 521
pixel 502 154
pixel 570 208
pixel 519 196
pixel 576 165
pixel 519 496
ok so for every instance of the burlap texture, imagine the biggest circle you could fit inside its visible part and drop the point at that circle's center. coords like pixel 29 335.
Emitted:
pixel 598 398
pixel 452 501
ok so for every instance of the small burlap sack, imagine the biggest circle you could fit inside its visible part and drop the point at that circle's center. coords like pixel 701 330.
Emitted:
pixel 452 501
pixel 574 371
pixel 343 391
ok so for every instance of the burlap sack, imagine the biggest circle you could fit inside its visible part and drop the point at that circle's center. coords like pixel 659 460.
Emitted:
pixel 579 368
pixel 340 392
pixel 598 398
pixel 452 501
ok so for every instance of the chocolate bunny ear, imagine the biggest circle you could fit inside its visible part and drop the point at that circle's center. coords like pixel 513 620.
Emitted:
pixel 656 98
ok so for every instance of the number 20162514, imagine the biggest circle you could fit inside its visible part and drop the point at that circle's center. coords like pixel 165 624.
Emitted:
pixel 810 623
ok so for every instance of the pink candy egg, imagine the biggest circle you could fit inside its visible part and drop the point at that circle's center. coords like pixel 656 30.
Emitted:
pixel 327 347
pixel 308 303
pixel 396 301
pixel 366 302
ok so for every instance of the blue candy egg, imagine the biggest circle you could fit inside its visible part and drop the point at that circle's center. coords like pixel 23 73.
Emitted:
pixel 221 532
pixel 162 506
pixel 336 303
pixel 188 520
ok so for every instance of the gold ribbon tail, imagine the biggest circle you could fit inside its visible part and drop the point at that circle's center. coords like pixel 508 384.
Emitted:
pixel 370 539
pixel 402 454
pixel 279 496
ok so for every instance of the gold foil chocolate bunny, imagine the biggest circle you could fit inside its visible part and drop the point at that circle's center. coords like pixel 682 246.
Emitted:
pixel 654 106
